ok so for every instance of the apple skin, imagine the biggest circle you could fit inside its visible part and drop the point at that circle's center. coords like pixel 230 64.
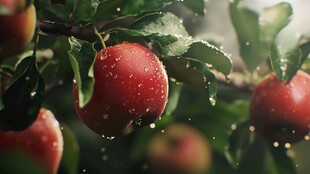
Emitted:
pixel 16 31
pixel 180 149
pixel 42 141
pixel 13 5
pixel 130 91
pixel 280 111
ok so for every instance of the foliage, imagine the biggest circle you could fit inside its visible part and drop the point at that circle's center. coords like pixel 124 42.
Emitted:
pixel 70 34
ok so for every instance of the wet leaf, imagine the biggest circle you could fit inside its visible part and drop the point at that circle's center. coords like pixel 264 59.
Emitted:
pixel 85 10
pixel 113 9
pixel 81 56
pixel 59 11
pixel 197 6
pixel 70 157
pixel 256 32
pixel 239 143
pixel 173 98
pixel 22 100
pixel 286 55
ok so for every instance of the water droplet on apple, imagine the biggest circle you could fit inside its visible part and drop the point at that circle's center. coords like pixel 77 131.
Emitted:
pixel 55 143
pixel 131 111
pixel 118 59
pixel 44 138
pixel 44 116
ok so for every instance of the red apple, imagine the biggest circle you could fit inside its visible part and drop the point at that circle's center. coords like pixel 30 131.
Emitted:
pixel 280 111
pixel 131 90
pixel 42 142
pixel 179 149
pixel 16 29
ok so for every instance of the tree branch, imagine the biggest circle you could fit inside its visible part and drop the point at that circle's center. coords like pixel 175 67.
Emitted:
pixel 80 32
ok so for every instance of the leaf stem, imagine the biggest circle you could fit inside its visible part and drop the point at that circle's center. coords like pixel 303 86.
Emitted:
pixel 102 41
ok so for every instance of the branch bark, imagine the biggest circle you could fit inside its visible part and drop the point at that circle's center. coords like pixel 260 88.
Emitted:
pixel 80 32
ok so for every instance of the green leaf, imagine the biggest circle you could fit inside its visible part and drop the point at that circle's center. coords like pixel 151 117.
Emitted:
pixel 305 51
pixel 113 9
pixel 239 142
pixel 193 73
pixel 272 20
pixel 163 23
pixel 286 55
pixel 207 53
pixel 86 9
pixel 256 32
pixel 197 6
pixel 215 121
pixel 19 161
pixel 282 162
pixel 82 55
pixel 173 99
pixel 70 157
pixel 22 100
pixel 59 11
pixel 246 146
pixel 246 25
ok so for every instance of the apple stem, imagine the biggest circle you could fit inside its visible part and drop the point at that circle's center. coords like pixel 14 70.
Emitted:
pixel 102 40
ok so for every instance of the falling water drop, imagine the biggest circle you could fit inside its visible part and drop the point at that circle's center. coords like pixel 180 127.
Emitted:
pixel 276 144
pixel 288 145
pixel 105 116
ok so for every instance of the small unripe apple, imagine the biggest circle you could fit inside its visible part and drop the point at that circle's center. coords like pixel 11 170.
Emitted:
pixel 131 90
pixel 279 110
pixel 42 142
pixel 16 30
pixel 179 149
